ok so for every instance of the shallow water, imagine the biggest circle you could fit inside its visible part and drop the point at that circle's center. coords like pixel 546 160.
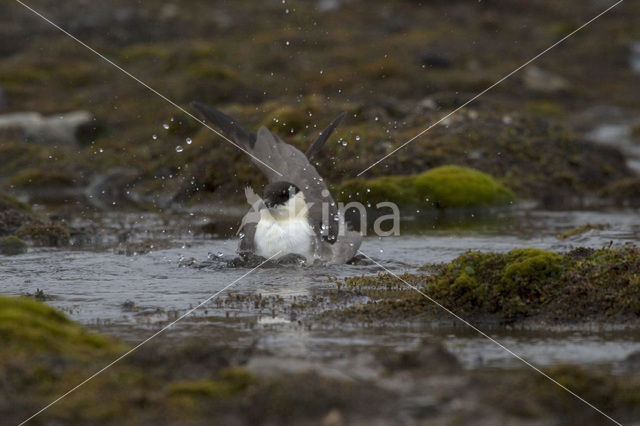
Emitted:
pixel 94 286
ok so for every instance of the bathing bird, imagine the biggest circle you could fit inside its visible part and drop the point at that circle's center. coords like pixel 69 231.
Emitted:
pixel 296 214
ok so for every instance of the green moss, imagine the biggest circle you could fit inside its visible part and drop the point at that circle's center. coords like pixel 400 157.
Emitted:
pixel 578 230
pixel 230 381
pixel 286 119
pixel 12 245
pixel 28 325
pixel 46 235
pixel 7 202
pixel 211 71
pixel 42 177
pixel 583 284
pixel 145 51
pixel 199 388
pixel 28 74
pixel 547 109
pixel 382 69
pixel 442 187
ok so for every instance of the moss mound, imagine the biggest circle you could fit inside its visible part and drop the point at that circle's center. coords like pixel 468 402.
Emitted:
pixel 584 284
pixel 505 283
pixel 12 245
pixel 46 235
pixel 581 284
pixel 28 325
pixel 442 187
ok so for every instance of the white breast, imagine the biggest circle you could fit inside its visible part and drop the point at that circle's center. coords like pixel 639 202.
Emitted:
pixel 294 235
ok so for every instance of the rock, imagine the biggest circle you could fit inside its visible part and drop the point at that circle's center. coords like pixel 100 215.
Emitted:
pixel 114 188
pixel 62 129
pixel 435 59
pixel 539 80
pixel 632 361
pixel 429 357
pixel 328 5
pixel 333 418
pixel 11 220
pixel 611 126
pixel 3 99
pixel 12 245
pixel 634 56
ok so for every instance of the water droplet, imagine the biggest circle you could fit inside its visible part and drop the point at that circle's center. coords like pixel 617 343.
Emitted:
pixel 381 251
pixel 189 141
pixel 286 42
pixel 166 126
pixel 344 143
pixel 101 150
pixel 154 137
pixel 368 189
pixel 179 148
pixel 357 137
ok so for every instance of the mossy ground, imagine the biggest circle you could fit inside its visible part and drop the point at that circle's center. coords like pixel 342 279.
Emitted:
pixel 303 67
pixel 582 285
pixel 44 354
pixel 442 187
pixel 193 380
pixel 46 235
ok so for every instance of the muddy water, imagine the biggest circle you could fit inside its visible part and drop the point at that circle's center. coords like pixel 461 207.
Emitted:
pixel 133 295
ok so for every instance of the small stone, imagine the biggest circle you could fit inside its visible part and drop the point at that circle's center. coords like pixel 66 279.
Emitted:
pixel 435 59
pixel 65 129
pixel 333 418
pixel 3 99
pixel 539 80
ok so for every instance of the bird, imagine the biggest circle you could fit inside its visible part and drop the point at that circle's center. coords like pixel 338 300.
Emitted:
pixel 296 215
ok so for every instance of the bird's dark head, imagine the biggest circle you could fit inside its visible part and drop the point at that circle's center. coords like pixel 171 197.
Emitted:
pixel 278 193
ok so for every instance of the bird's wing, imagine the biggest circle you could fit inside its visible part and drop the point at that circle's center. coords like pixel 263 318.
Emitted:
pixel 228 125
pixel 324 136
pixel 280 161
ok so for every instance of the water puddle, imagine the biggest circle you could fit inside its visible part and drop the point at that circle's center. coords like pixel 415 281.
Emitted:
pixel 133 295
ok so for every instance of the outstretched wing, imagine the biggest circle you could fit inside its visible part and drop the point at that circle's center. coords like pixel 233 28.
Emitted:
pixel 324 136
pixel 280 161
pixel 228 125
